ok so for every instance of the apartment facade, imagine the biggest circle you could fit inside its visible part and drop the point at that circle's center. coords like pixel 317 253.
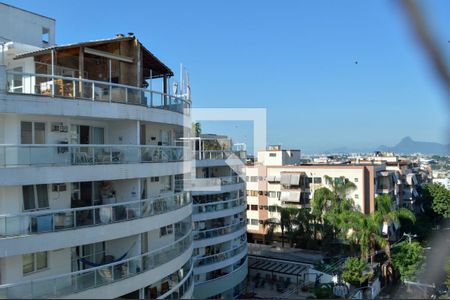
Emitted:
pixel 90 200
pixel 278 179
pixel 219 205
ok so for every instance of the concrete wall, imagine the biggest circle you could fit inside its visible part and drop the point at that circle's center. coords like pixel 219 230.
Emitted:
pixel 25 27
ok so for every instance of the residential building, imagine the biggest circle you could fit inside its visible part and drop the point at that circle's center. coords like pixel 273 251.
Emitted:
pixel 89 207
pixel 278 178
pixel 220 239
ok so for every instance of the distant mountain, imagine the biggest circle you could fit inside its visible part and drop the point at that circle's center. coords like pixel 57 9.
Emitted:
pixel 407 146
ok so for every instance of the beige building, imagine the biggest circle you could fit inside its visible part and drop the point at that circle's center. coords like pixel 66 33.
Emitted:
pixel 278 179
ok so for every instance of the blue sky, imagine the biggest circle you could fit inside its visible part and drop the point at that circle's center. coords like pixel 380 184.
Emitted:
pixel 295 58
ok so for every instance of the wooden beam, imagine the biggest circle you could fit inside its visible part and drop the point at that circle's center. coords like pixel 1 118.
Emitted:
pixel 108 55
pixel 139 67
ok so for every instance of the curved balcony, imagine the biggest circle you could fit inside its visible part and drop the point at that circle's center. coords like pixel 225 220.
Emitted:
pixel 212 185
pixel 222 283
pixel 183 289
pixel 220 257
pixel 43 164
pixel 97 91
pixel 76 282
pixel 71 154
pixel 44 221
pixel 218 209
pixel 221 231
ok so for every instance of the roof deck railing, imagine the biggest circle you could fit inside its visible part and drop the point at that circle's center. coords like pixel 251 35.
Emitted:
pixel 93 90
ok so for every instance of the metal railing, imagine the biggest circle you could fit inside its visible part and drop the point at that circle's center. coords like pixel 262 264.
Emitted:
pixel 100 91
pixel 211 233
pixel 218 206
pixel 75 282
pixel 211 259
pixel 43 221
pixel 87 154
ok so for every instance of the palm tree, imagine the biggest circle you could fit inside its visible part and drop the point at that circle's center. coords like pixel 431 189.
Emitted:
pixel 302 225
pixel 386 213
pixel 321 202
pixel 363 230
pixel 285 223
pixel 340 186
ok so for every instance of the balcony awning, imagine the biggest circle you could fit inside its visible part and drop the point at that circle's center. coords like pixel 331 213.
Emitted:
pixel 270 178
pixel 291 196
pixel 285 179
pixel 295 179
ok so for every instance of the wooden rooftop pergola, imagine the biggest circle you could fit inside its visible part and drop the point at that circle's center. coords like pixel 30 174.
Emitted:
pixel 121 60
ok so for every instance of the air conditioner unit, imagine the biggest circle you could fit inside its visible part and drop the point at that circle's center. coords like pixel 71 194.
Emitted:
pixel 59 187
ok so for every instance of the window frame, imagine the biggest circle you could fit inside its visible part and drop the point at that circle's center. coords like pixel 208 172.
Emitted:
pixel 36 198
pixel 34 262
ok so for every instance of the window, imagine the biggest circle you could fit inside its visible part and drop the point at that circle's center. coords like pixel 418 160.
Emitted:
pixel 356 179
pixel 32 133
pixel 254 207
pixel 45 35
pixel 272 154
pixel 17 82
pixel 35 196
pixel 272 208
pixel 263 207
pixel 166 230
pixel 252 193
pixel 154 179
pixel 34 262
pixel 356 196
pixel 254 222
pixel 317 180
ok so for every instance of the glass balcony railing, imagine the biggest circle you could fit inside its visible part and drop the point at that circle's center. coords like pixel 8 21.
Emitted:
pixel 211 233
pixel 218 206
pixel 74 218
pixel 212 154
pixel 179 289
pixel 75 282
pixel 211 259
pixel 99 91
pixel 89 154
pixel 210 181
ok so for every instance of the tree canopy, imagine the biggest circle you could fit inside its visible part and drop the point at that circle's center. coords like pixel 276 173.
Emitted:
pixel 408 259
pixel 354 271
pixel 440 199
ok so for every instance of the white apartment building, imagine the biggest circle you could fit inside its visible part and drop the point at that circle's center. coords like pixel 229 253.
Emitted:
pixel 220 239
pixel 89 207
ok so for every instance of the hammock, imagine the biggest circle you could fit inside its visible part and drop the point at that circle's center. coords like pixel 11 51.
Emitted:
pixel 92 264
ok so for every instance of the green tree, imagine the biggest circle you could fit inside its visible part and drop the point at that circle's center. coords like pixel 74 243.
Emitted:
pixel 285 223
pixel 363 230
pixel 321 202
pixel 408 259
pixel 354 271
pixel 441 199
pixel 196 129
pixel 340 186
pixel 385 211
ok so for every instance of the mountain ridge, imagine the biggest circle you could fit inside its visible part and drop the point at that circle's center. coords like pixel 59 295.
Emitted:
pixel 406 146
